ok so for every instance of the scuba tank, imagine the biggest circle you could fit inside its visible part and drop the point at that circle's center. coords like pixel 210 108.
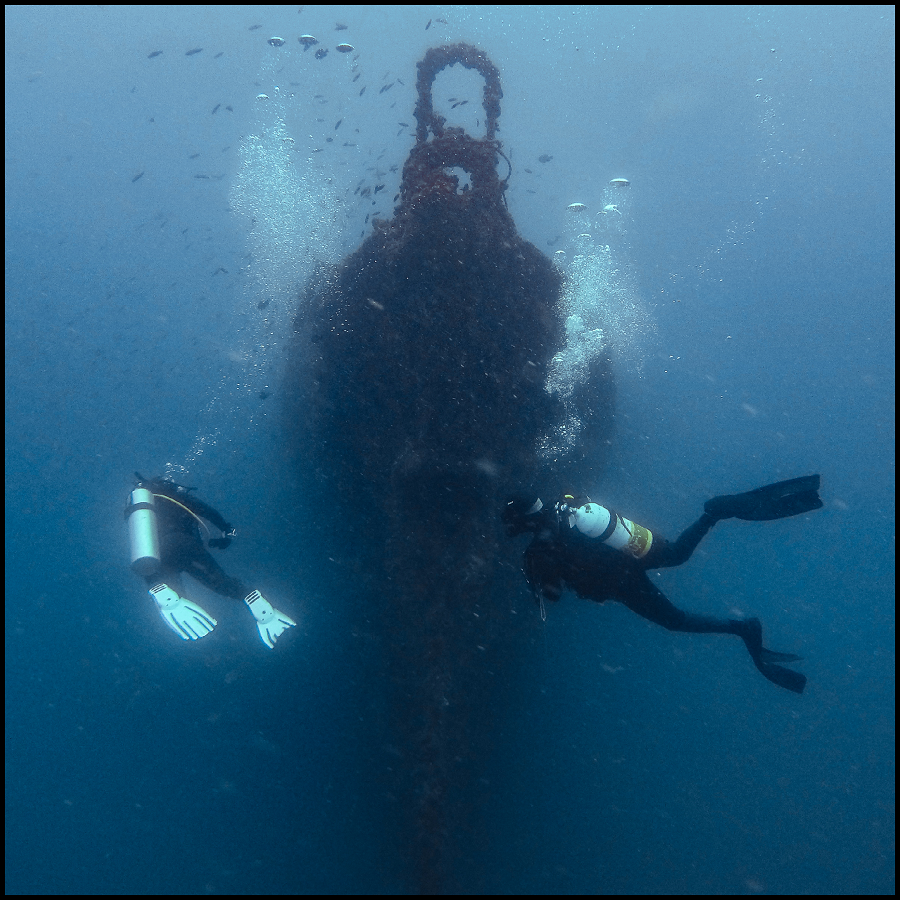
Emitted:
pixel 143 532
pixel 605 525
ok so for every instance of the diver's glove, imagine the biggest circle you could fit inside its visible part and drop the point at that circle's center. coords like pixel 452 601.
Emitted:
pixel 228 535
pixel 184 617
pixel 270 621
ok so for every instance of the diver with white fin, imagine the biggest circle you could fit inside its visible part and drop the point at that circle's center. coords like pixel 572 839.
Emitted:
pixel 164 523
pixel 603 556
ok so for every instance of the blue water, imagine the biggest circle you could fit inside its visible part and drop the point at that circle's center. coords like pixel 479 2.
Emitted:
pixel 747 296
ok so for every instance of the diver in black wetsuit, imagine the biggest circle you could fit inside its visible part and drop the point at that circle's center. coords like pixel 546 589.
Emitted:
pixel 602 556
pixel 164 526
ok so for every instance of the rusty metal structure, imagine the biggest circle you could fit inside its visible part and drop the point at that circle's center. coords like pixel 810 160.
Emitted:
pixel 416 395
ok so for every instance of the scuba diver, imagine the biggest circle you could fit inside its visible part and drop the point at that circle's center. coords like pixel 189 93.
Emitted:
pixel 164 524
pixel 603 556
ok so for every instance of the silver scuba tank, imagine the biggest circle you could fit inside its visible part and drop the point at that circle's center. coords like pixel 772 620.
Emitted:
pixel 143 532
pixel 616 531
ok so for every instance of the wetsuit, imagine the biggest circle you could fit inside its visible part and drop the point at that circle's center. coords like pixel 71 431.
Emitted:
pixel 180 543
pixel 561 555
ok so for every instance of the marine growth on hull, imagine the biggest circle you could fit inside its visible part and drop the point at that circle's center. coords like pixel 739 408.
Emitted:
pixel 418 399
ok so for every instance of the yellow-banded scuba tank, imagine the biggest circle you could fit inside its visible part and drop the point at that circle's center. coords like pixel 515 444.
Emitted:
pixel 143 532
pixel 607 526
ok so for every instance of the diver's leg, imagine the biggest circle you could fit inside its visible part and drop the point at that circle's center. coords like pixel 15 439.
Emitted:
pixel 648 601
pixel 185 553
pixel 663 554
pixel 651 603
pixel 210 574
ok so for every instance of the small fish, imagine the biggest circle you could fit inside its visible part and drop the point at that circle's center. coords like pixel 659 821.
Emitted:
pixel 262 303
pixel 194 156
pixel 264 394
pixel 396 197
pixel 387 87
pixel 220 269
pixel 216 109
pixel 321 53
pixel 362 91
pixel 378 188
pixel 544 158
pixel 348 144
pixel 340 27
pixel 356 77
pixel 220 53
pixel 254 28
pixel 186 230
pixel 136 177
pixel 154 53
pixel 229 109
pixel 428 25
pixel 338 124
pixel 194 52
pixel 202 176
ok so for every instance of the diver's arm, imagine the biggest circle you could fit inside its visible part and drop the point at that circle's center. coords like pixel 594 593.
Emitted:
pixel 205 511
pixel 542 570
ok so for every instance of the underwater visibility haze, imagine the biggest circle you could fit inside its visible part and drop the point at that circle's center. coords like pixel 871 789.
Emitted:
pixel 357 275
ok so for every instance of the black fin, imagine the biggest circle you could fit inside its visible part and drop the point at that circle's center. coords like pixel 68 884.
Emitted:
pixel 770 656
pixel 785 678
pixel 750 631
pixel 774 501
